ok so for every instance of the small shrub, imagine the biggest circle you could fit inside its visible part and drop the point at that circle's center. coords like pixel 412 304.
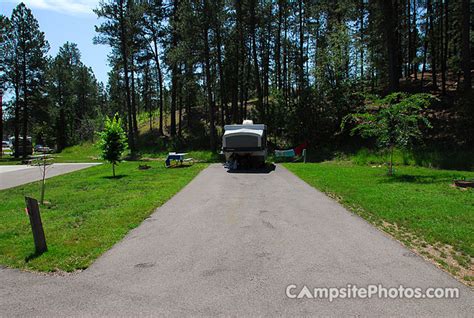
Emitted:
pixel 112 141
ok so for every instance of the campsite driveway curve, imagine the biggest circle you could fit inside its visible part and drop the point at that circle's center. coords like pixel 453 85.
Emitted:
pixel 230 244
pixel 15 175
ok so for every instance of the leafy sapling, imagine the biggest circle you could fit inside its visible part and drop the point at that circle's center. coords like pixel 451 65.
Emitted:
pixel 395 121
pixel 112 141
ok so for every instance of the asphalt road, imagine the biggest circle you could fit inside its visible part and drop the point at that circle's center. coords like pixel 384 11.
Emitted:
pixel 229 245
pixel 15 175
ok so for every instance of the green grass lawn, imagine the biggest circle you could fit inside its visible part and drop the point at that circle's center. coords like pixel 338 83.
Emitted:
pixel 87 214
pixel 420 200
pixel 455 160
pixel 198 155
pixel 86 152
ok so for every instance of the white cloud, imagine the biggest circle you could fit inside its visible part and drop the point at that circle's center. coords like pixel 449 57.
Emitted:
pixel 75 7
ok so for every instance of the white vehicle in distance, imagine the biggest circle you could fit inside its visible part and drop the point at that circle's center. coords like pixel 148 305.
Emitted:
pixel 245 146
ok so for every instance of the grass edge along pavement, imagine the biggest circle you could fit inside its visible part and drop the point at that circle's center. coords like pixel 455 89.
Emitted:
pixel 88 212
pixel 418 207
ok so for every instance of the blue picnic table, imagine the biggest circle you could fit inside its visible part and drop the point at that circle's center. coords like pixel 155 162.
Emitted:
pixel 180 157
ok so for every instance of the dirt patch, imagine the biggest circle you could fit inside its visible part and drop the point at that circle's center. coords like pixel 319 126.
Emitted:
pixel 443 256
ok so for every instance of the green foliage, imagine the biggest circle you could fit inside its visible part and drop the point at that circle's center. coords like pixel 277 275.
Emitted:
pixel 113 141
pixel 394 121
pixel 74 96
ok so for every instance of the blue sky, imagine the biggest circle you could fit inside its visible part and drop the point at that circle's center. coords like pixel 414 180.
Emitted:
pixel 68 20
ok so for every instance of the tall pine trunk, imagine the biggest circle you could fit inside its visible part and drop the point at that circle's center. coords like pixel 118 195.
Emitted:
pixel 301 83
pixel 256 68
pixel 124 53
pixel 465 46
pixel 222 93
pixel 174 97
pixel 444 53
pixel 134 98
pixel 16 120
pixel 361 50
pixel 425 45
pixel 391 39
pixel 207 66
pixel 414 47
pixel 25 106
pixel 160 80
pixel 278 46
pixel 433 63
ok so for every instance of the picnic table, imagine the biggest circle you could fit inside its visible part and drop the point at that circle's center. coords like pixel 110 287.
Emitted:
pixel 39 159
pixel 178 157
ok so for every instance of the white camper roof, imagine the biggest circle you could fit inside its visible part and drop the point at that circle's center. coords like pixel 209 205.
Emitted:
pixel 243 131
pixel 249 127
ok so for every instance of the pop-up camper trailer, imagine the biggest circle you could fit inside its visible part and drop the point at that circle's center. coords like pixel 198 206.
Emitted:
pixel 245 145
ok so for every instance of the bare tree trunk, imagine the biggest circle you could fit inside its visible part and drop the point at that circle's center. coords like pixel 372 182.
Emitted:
pixel 285 58
pixel 415 30
pixel 429 6
pixel 180 107
pixel 160 80
pixel 190 96
pixel 409 56
pixel 146 94
pixel 301 81
pixel 361 39
pixel 246 89
pixel 222 93
pixel 174 72
pixel 465 46
pixel 134 99
pixel 210 99
pixel 16 121
pixel 278 45
pixel 256 67
pixel 425 45
pixel 124 51
pixel 174 96
pixel 390 35
pixel 25 105
pixel 444 53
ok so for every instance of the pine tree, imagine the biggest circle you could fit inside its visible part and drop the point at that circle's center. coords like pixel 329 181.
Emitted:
pixel 113 141
pixel 4 26
pixel 116 32
pixel 30 63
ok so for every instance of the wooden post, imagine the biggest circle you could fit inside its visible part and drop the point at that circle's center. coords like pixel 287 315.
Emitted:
pixel 36 225
pixel 43 180
pixel 304 155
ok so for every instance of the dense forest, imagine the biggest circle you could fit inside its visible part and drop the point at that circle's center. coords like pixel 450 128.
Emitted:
pixel 182 69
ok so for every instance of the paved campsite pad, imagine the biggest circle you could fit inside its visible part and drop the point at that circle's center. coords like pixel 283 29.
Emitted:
pixel 12 176
pixel 229 244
